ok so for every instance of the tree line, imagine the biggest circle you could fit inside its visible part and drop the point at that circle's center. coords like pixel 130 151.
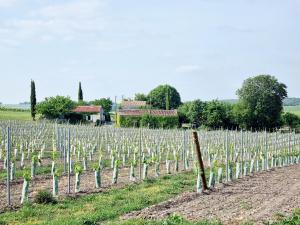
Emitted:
pixel 259 106
pixel 60 107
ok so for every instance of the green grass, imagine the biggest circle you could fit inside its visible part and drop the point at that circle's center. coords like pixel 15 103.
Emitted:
pixel 107 207
pixel 171 220
pixel 15 115
pixel 291 220
pixel 39 171
pixel 103 207
pixel 292 109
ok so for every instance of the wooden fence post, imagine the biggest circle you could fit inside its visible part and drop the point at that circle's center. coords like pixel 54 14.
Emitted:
pixel 69 161
pixel 140 154
pixel 8 164
pixel 198 151
pixel 227 156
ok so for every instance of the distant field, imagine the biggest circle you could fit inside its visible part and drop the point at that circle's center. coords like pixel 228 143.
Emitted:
pixel 293 109
pixel 13 115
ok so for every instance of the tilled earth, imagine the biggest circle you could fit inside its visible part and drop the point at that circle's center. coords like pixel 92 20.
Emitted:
pixel 87 184
pixel 257 199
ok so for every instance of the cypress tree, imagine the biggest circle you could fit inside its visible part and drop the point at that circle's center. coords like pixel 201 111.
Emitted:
pixel 168 99
pixel 80 94
pixel 33 100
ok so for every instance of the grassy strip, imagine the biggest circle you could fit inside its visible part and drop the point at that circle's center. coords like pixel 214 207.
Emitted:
pixel 15 115
pixel 14 109
pixel 291 220
pixel 44 170
pixel 171 220
pixel 106 206
pixel 292 109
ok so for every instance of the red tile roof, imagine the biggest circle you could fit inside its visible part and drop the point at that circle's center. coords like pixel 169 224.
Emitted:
pixel 153 112
pixel 88 109
pixel 133 103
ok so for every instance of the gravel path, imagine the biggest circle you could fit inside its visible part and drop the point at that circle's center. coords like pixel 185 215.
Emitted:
pixel 256 199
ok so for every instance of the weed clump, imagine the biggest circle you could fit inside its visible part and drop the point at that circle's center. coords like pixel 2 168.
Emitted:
pixel 44 197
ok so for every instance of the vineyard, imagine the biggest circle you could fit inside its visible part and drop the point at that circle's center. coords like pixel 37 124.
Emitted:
pixel 77 160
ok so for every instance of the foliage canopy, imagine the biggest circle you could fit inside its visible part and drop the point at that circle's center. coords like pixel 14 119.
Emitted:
pixel 55 107
pixel 162 95
pixel 260 102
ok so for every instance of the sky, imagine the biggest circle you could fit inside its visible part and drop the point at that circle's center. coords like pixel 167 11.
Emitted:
pixel 204 48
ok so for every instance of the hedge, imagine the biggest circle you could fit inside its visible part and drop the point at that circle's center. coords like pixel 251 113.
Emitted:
pixel 147 120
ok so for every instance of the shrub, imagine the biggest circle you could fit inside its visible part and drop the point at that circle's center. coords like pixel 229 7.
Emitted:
pixel 149 121
pixel 44 197
pixel 166 122
pixel 74 118
pixel 291 120
pixel 55 107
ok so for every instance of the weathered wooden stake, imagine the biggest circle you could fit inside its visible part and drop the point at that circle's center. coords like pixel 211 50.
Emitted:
pixel 184 150
pixel 140 155
pixel 198 151
pixel 227 156
pixel 8 165
pixel 69 161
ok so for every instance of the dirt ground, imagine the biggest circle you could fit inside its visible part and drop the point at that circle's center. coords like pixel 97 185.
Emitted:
pixel 256 199
pixel 42 182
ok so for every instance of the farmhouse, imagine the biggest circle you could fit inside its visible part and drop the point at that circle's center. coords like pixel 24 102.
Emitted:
pixel 91 113
pixel 156 117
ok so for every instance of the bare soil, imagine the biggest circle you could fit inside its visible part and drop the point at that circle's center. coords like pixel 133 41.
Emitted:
pixel 87 184
pixel 257 199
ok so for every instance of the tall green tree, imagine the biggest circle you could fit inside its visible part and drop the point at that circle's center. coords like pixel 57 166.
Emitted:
pixel 217 114
pixel 33 100
pixel 260 102
pixel 106 104
pixel 55 107
pixel 80 93
pixel 157 97
pixel 192 112
pixel 168 100
pixel 140 97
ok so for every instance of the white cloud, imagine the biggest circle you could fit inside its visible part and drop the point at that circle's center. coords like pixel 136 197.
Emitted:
pixel 62 21
pixel 72 10
pixel 188 68
pixel 8 3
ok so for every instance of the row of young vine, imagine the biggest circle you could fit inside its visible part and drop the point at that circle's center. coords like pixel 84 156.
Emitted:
pixel 56 150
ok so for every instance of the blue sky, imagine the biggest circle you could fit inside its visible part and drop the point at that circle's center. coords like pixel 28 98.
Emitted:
pixel 204 48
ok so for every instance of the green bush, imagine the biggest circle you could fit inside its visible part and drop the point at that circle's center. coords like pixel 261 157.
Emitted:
pixel 44 197
pixel 166 122
pixel 291 120
pixel 149 121
pixel 74 117
pixel 55 107
pixel 132 121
